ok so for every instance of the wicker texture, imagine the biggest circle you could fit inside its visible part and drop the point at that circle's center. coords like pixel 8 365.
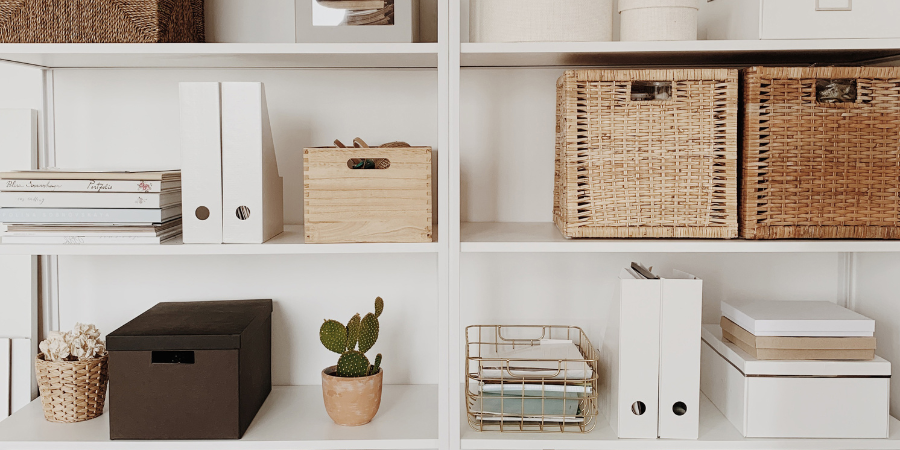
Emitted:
pixel 658 168
pixel 79 21
pixel 821 170
pixel 72 391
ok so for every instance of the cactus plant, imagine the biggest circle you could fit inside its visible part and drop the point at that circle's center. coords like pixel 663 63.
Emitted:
pixel 344 339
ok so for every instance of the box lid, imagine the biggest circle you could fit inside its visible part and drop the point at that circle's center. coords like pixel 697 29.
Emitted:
pixel 190 326
pixel 750 366
pixel 797 318
pixel 797 343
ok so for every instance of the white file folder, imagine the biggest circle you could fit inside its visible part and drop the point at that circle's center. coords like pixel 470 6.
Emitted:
pixel 631 358
pixel 679 356
pixel 22 387
pixel 5 371
pixel 252 190
pixel 201 162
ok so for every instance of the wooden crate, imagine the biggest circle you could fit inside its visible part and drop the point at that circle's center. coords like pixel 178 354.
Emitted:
pixel 344 205
pixel 661 168
pixel 813 169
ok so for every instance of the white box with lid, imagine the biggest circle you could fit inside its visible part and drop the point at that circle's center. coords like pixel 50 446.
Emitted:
pixel 795 399
pixel 799 19
pixel 540 20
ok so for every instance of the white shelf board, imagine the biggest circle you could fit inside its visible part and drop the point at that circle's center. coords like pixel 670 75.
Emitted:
pixel 679 53
pixel 277 55
pixel 543 237
pixel 292 417
pixel 716 433
pixel 288 243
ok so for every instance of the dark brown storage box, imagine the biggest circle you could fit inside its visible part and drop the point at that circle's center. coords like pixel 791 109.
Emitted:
pixel 195 370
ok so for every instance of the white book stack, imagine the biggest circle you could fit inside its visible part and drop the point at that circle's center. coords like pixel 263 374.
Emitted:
pixel 56 207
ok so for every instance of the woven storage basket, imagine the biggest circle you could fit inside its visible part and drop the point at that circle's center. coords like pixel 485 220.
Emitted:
pixel 821 170
pixel 72 391
pixel 71 21
pixel 652 168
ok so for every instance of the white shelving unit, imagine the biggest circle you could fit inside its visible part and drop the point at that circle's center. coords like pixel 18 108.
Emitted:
pixel 274 55
pixel 291 242
pixel 404 423
pixel 716 432
pixel 488 110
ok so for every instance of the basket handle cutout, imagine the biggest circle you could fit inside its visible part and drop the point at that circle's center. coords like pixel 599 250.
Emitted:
pixel 170 357
pixel 831 91
pixel 645 91
pixel 369 163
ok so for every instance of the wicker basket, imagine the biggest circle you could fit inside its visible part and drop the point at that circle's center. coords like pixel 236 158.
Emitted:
pixel 70 21
pixel 663 167
pixel 813 169
pixel 72 391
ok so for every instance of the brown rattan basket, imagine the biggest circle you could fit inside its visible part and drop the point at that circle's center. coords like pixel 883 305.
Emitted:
pixel 630 167
pixel 72 391
pixel 78 21
pixel 817 169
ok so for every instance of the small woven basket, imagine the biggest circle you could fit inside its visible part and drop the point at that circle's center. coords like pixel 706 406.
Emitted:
pixel 101 21
pixel 72 391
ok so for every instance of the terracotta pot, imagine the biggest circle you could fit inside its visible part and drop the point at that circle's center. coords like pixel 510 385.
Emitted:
pixel 351 401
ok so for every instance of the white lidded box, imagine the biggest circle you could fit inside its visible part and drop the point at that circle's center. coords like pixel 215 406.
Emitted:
pixel 797 318
pixel 799 19
pixel 658 20
pixel 540 20
pixel 795 399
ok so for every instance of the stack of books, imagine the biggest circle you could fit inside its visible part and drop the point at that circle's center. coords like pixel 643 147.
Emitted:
pixel 796 330
pixel 55 207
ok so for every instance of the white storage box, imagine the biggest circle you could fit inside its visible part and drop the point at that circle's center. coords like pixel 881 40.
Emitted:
pixel 797 318
pixel 658 20
pixel 799 19
pixel 540 20
pixel 795 399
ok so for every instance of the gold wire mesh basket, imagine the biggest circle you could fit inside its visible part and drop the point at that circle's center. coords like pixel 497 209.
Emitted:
pixel 531 378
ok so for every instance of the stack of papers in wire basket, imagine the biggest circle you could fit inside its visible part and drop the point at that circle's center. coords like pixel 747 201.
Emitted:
pixel 530 378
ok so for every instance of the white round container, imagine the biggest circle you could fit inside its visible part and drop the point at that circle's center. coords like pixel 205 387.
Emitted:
pixel 540 20
pixel 658 20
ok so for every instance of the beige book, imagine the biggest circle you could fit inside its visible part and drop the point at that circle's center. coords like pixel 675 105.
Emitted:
pixel 798 348
pixel 353 5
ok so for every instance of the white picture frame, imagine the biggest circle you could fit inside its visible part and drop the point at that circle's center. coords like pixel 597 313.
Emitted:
pixel 404 30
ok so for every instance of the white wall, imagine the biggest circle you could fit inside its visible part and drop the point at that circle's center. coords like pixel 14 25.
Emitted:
pixel 20 88
pixel 877 295
pixel 128 119
pixel 307 289
pixel 577 289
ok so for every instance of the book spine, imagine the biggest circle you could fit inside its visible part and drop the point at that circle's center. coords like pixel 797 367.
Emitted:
pixel 78 200
pixel 88 233
pixel 63 215
pixel 80 186
pixel 80 240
